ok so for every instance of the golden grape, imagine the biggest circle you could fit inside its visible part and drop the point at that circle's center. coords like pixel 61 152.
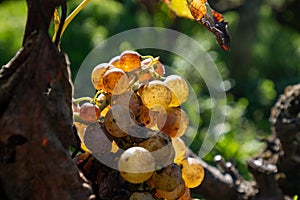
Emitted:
pixel 180 149
pixel 155 95
pixel 130 60
pixel 115 81
pixel 176 123
pixel 192 172
pixel 179 88
pixel 141 196
pixel 98 73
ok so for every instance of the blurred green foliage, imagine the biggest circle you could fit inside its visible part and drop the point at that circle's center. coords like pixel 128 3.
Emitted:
pixel 274 55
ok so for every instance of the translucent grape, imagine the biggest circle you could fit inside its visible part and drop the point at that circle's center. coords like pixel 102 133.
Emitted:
pixel 98 73
pixel 179 88
pixel 136 165
pixel 118 120
pixel 115 81
pixel 130 60
pixel 180 149
pixel 89 112
pixel 115 61
pixel 155 95
pixel 176 123
pixel 192 172
pixel 161 148
pixel 149 117
pixel 167 178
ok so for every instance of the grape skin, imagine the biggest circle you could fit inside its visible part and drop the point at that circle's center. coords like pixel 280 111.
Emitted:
pixel 136 165
pixel 115 81
pixel 168 178
pixel 192 172
pixel 174 194
pixel 180 149
pixel 89 112
pixel 176 123
pixel 98 73
pixel 179 88
pixel 130 60
pixel 160 146
pixel 155 95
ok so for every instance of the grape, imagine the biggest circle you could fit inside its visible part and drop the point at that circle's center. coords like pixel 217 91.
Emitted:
pixel 136 165
pixel 130 60
pixel 180 149
pixel 118 120
pixel 155 95
pixel 158 68
pixel 192 172
pixel 96 140
pixel 115 81
pixel 128 99
pixel 176 123
pixel 115 61
pixel 141 196
pixel 174 194
pixel 160 146
pixel 168 178
pixel 179 88
pixel 89 112
pixel 98 73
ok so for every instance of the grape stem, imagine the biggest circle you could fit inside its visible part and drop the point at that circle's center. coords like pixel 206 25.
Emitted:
pixel 78 100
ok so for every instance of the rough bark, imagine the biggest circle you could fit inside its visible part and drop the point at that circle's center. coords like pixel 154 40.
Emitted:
pixel 36 117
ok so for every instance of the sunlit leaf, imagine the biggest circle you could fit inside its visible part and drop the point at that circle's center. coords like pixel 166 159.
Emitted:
pixel 180 8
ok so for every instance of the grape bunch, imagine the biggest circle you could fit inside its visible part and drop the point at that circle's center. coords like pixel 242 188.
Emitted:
pixel 136 120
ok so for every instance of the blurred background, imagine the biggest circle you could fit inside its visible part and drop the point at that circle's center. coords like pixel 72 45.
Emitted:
pixel 263 60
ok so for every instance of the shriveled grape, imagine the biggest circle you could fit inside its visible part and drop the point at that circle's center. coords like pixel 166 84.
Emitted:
pixel 136 165
pixel 98 73
pixel 192 172
pixel 179 88
pixel 115 81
